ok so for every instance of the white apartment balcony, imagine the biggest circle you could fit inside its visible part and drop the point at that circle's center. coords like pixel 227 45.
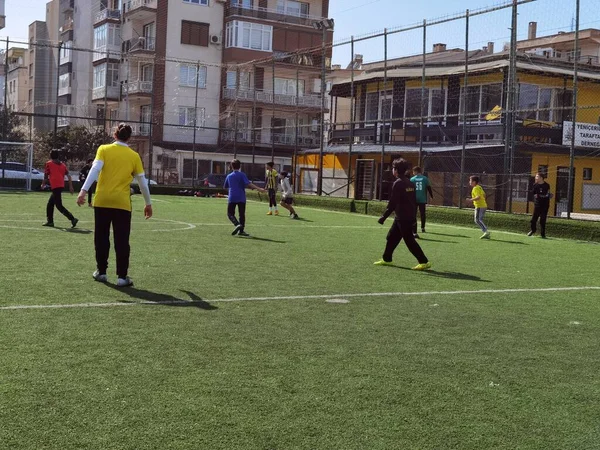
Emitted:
pixel 64 84
pixel 107 52
pixel 66 57
pixel 107 14
pixel 141 44
pixel 306 101
pixel 67 25
pixel 140 10
pixel 140 129
pixel 288 15
pixel 263 139
pixel 137 87
pixel 111 93
pixel 64 90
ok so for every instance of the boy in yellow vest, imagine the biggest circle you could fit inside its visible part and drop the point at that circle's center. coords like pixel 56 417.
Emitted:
pixel 478 200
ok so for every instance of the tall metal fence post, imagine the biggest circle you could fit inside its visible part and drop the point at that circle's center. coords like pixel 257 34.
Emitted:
pixel 461 182
pixel 235 114
pixel 194 168
pixel 423 80
pixel 273 109
pixel 384 133
pixel 254 121
pixel 574 110
pixel 57 89
pixel 352 116
pixel 5 106
pixel 322 116
pixel 105 91
pixel 512 92
pixel 296 136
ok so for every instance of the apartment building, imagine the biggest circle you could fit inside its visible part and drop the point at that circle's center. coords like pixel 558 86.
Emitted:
pixel 271 96
pixel 2 15
pixel 561 46
pixel 18 80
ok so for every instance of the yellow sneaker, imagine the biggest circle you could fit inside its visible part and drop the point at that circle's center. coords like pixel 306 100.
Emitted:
pixel 381 262
pixel 422 266
pixel 270 213
pixel 276 212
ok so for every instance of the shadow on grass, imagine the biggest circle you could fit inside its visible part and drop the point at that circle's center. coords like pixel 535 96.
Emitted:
pixel 451 275
pixel 263 239
pixel 506 242
pixel 156 298
pixel 436 240
pixel 449 235
pixel 302 219
pixel 74 230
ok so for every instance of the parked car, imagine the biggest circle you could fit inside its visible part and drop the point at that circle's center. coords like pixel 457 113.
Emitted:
pixel 17 170
pixel 135 189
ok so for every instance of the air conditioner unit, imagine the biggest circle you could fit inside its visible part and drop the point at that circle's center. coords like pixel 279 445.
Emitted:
pixel 215 39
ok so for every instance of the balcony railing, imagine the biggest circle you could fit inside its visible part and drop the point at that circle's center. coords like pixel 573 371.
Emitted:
pixel 105 14
pixel 311 101
pixel 137 87
pixel 110 51
pixel 279 14
pixel 140 129
pixel 287 139
pixel 67 25
pixel 141 44
pixel 112 92
pixel 133 5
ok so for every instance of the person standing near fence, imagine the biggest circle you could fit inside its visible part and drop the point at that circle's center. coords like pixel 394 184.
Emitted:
pixel 480 204
pixel 403 204
pixel 237 182
pixel 115 167
pixel 541 204
pixel 422 187
pixel 83 173
pixel 271 186
pixel 54 174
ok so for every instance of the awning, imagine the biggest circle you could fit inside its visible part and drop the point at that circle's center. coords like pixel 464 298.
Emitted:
pixel 376 149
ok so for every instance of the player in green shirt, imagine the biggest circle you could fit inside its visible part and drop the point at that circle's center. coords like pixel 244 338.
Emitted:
pixel 422 186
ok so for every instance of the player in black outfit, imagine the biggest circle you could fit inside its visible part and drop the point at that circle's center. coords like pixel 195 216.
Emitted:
pixel 403 203
pixel 541 204
pixel 83 174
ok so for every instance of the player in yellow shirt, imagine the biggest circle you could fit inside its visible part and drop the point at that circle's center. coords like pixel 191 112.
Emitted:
pixel 271 187
pixel 478 200
pixel 115 167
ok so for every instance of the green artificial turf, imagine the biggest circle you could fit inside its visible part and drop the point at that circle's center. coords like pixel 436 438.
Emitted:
pixel 185 360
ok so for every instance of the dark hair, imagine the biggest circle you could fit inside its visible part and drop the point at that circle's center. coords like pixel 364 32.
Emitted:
pixel 91 160
pixel 474 178
pixel 541 175
pixel 401 165
pixel 236 164
pixel 54 154
pixel 283 173
pixel 417 169
pixel 123 132
pixel 270 164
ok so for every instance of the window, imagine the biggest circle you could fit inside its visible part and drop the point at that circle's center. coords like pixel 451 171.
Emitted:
pixel 197 2
pixel 108 34
pixel 248 35
pixel 287 86
pixel 520 188
pixel 186 117
pixel 545 104
pixel 481 100
pixel 65 52
pixel 147 72
pixel 434 104
pixel 100 75
pixel 31 70
pixel 242 3
pixel 145 116
pixel 292 8
pixel 587 173
pixel 194 33
pixel 372 107
pixel 64 81
pixel 231 80
pixel 187 75
pixel 30 97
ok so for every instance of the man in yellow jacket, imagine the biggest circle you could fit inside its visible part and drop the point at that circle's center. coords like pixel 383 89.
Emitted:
pixel 115 167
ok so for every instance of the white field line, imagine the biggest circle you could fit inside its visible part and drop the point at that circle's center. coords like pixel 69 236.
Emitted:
pixel 307 297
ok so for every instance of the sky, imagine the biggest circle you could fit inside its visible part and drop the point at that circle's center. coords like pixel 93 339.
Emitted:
pixel 363 17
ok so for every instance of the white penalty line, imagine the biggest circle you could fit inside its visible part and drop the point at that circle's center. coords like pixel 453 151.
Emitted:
pixel 303 297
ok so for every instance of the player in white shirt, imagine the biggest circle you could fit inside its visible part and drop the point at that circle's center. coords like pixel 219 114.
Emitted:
pixel 287 195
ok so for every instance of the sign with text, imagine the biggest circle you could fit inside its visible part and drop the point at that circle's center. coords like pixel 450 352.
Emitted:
pixel 586 134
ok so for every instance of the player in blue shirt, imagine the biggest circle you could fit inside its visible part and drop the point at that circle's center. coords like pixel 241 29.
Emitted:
pixel 422 186
pixel 237 182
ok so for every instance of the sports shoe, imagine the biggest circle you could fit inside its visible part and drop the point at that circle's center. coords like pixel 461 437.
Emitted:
pixel 422 230
pixel 531 233
pixel 74 222
pixel 101 277
pixel 422 266
pixel 270 213
pixel 48 224
pixel 90 205
pixel 382 262
pixel 486 235
pixel 416 236
pixel 124 282
pixel 276 212
pixel 236 230
pixel 243 234
pixel 543 236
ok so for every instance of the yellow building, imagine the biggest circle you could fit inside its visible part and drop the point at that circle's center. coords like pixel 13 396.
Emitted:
pixel 388 118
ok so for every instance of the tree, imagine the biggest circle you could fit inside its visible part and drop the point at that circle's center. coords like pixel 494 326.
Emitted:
pixel 77 143
pixel 11 126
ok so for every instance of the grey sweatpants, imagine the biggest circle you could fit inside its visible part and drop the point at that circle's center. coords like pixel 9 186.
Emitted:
pixel 479 213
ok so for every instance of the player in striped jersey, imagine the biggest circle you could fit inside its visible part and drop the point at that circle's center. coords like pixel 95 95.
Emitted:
pixel 271 186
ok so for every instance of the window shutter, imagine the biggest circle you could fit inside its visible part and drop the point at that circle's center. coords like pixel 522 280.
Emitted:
pixel 186 32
